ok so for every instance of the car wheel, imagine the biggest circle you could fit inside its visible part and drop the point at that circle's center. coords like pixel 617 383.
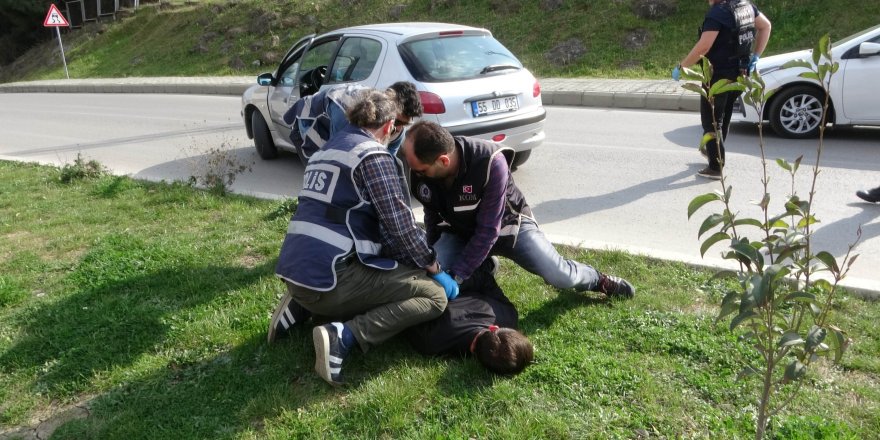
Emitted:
pixel 262 137
pixel 520 158
pixel 797 112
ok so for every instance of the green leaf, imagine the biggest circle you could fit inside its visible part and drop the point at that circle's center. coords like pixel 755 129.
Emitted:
pixel 817 53
pixel 825 46
pixel 707 137
pixel 742 317
pixel 710 222
pixel 728 305
pixel 810 220
pixel 695 88
pixel 809 75
pixel 829 261
pixel 748 221
pixel 794 371
pixel 783 164
pixel 701 200
pixel 714 238
pixel 798 63
pixel 789 339
pixel 815 337
pixel 746 250
pixel 723 86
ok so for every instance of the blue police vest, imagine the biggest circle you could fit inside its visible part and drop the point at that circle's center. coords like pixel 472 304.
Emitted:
pixel 332 218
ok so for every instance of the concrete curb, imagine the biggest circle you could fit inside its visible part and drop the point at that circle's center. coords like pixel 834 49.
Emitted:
pixel 582 92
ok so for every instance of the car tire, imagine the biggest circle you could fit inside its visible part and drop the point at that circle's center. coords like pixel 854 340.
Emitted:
pixel 520 158
pixel 262 137
pixel 796 112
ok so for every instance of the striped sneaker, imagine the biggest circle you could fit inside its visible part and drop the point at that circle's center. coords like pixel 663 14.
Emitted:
pixel 288 313
pixel 329 352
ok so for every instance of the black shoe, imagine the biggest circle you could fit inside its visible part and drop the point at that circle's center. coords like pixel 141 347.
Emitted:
pixel 615 287
pixel 288 313
pixel 329 352
pixel 872 195
pixel 709 173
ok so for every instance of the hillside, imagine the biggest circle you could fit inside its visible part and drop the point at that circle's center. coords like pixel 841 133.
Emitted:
pixel 600 38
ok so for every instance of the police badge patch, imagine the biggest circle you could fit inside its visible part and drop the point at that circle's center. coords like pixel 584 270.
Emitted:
pixel 424 192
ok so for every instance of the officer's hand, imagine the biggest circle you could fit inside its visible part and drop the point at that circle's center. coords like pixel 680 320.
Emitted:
pixel 676 72
pixel 753 62
pixel 449 284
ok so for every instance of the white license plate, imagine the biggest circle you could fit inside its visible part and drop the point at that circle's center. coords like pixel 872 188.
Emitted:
pixel 496 105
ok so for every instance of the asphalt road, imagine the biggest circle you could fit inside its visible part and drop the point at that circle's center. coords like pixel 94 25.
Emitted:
pixel 605 178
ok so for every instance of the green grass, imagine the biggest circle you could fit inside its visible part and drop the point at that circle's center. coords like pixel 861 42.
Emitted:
pixel 149 303
pixel 158 41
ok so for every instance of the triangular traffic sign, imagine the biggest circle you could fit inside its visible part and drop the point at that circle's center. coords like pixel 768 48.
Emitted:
pixel 54 18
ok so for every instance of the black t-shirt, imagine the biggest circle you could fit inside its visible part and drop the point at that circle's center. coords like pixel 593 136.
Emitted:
pixel 479 304
pixel 722 54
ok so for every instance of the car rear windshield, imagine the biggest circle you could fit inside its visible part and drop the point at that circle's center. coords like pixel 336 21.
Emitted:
pixel 457 58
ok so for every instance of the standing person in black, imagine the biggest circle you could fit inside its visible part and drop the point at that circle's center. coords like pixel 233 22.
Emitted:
pixel 733 36
pixel 481 322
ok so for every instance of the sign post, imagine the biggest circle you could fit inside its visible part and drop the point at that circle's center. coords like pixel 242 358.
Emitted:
pixel 56 20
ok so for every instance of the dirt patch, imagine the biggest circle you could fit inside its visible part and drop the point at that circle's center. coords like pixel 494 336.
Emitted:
pixel 44 424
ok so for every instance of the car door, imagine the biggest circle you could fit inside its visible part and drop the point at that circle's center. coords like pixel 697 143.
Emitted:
pixel 284 90
pixel 860 86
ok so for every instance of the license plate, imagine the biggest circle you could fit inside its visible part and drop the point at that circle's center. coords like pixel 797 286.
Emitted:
pixel 496 105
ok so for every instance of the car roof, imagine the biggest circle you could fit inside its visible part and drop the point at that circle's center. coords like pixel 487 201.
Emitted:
pixel 408 29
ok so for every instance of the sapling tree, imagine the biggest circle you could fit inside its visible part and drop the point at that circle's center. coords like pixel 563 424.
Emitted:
pixel 784 289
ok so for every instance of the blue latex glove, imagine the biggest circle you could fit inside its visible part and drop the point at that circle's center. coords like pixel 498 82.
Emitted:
pixel 753 62
pixel 449 284
pixel 676 73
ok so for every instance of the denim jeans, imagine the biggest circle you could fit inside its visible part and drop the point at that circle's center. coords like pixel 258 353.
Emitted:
pixel 531 251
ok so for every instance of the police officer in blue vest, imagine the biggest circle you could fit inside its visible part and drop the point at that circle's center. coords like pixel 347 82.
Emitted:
pixel 733 36
pixel 353 250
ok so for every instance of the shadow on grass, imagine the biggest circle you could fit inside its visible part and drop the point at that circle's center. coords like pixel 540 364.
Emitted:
pixel 108 325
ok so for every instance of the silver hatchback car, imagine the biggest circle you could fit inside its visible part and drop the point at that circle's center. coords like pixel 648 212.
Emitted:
pixel 468 82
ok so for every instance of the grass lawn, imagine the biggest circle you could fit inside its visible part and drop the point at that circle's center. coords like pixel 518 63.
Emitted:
pixel 139 310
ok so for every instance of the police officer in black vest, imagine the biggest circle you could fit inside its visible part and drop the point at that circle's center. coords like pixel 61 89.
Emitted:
pixel 473 209
pixel 733 36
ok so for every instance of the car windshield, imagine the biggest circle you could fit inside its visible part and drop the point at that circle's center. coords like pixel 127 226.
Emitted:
pixel 856 35
pixel 457 58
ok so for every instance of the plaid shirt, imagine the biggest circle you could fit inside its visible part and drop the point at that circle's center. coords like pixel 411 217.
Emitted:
pixel 402 239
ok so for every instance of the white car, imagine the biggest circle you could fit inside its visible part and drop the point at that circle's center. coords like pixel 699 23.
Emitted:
pixel 468 81
pixel 795 110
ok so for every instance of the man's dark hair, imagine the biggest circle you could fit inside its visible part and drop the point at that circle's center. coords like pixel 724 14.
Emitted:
pixel 372 109
pixel 504 351
pixel 430 140
pixel 408 98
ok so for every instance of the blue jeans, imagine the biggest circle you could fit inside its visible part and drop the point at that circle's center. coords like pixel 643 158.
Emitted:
pixel 531 251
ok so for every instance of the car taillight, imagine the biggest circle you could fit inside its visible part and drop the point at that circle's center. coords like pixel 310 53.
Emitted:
pixel 431 103
pixel 536 89
pixel 499 137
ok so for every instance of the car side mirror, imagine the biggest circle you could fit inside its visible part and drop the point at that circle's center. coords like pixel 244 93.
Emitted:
pixel 868 49
pixel 265 79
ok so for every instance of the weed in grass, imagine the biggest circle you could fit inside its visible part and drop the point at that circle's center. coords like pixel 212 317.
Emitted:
pixel 217 167
pixel 81 169
pixel 285 209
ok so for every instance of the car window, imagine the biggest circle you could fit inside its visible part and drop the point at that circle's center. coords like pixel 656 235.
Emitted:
pixel 319 55
pixel 288 77
pixel 457 58
pixel 355 60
